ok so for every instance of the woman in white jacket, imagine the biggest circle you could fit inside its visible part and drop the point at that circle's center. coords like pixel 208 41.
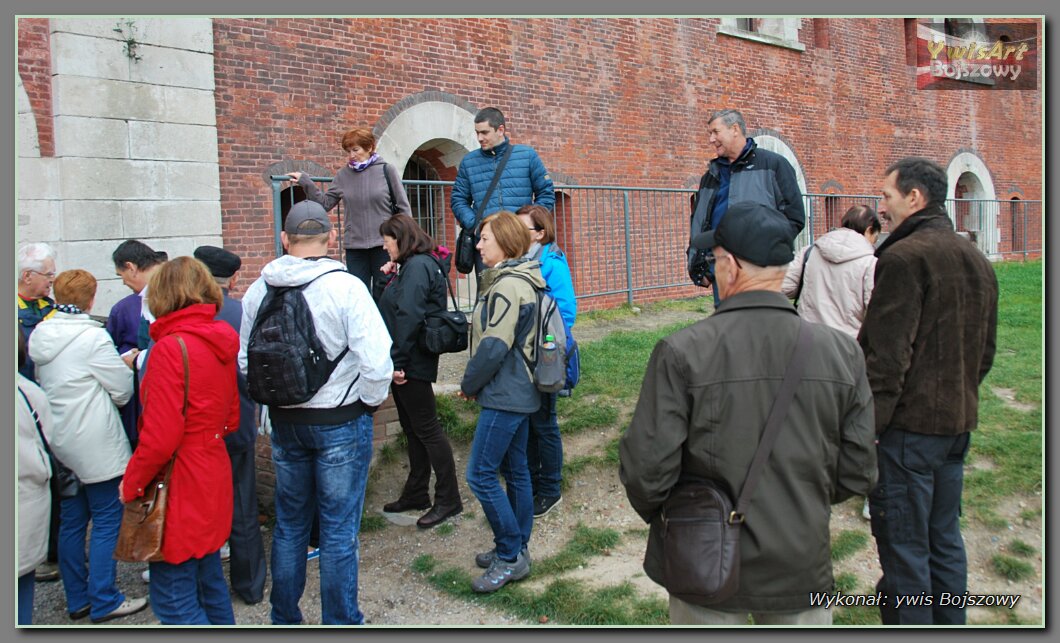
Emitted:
pixel 34 494
pixel 838 277
pixel 85 381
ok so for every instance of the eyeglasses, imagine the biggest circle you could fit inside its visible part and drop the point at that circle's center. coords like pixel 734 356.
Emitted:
pixel 534 228
pixel 49 275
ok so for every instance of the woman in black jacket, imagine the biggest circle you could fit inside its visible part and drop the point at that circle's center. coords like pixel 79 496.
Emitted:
pixel 417 289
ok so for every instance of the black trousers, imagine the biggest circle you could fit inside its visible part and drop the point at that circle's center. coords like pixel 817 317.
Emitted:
pixel 247 562
pixel 428 446
pixel 365 264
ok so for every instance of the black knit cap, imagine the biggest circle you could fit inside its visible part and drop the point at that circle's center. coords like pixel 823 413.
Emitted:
pixel 222 263
pixel 752 231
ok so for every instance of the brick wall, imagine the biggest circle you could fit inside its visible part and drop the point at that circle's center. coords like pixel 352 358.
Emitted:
pixel 604 101
pixel 35 69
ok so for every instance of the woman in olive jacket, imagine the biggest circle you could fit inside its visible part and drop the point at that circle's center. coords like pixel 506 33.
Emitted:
pixel 417 289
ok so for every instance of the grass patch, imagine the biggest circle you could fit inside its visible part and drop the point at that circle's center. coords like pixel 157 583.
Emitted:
pixel 1008 438
pixel 458 417
pixel 846 583
pixel 388 453
pixel 372 522
pixel 1030 515
pixel 847 543
pixel 1021 548
pixel 576 415
pixel 614 366
pixel 856 616
pixel 1011 568
pixel 564 600
pixel 444 529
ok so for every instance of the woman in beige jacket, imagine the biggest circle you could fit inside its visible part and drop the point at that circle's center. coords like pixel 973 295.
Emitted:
pixel 837 274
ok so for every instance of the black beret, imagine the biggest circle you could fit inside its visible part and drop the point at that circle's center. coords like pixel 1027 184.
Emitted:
pixel 221 262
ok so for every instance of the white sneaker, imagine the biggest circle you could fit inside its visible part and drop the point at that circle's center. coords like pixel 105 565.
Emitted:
pixel 146 575
pixel 865 511
pixel 129 606
pixel 226 551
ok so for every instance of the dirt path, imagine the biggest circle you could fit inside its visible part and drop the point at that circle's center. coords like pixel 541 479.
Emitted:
pixel 392 594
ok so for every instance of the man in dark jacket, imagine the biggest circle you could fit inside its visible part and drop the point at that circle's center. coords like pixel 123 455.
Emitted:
pixel 247 551
pixel 523 181
pixel 703 405
pixel 741 172
pixel 929 340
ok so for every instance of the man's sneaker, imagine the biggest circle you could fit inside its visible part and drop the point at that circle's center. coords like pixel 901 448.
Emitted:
pixel 865 511
pixel 486 558
pixel 544 504
pixel 500 573
pixel 312 553
pixel 146 575
pixel 226 551
pixel 128 606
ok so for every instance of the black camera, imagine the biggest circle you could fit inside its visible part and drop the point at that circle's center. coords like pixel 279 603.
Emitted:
pixel 702 267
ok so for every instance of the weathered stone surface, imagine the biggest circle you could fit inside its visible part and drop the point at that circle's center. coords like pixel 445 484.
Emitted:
pixel 91 137
pixel 168 141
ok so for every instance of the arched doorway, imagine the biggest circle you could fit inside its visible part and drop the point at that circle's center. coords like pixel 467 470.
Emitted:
pixel 971 200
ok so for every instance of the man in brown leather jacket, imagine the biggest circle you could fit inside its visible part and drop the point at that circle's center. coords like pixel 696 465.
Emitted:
pixel 929 339
pixel 703 405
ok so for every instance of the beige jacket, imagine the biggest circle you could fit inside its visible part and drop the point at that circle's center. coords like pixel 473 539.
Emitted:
pixel 837 280
pixel 34 470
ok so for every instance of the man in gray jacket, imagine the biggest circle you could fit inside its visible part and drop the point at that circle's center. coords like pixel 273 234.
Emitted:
pixel 706 394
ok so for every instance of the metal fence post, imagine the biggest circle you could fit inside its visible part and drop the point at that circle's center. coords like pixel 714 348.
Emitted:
pixel 629 249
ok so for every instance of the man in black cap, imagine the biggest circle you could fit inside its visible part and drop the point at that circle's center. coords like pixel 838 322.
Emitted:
pixel 246 549
pixel 703 405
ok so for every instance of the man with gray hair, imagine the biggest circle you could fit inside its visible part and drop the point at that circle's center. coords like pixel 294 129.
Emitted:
pixel 36 272
pixel 740 172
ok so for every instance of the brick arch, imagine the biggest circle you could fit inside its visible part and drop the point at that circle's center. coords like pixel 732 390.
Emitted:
pixel 774 141
pixel 984 219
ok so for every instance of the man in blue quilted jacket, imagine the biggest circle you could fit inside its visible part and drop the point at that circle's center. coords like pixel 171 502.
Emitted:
pixel 523 181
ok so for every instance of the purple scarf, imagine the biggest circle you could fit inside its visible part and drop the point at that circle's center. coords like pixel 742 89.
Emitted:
pixel 360 167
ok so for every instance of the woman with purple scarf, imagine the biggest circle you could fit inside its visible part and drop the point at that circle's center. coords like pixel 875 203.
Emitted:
pixel 370 190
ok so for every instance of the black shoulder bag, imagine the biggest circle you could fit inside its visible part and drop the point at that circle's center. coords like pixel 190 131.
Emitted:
pixel 802 276
pixel 700 526
pixel 468 239
pixel 67 483
pixel 445 331
pixel 394 209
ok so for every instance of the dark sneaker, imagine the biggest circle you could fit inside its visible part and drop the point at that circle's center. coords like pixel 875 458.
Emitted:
pixel 500 573
pixel 544 504
pixel 46 572
pixel 128 606
pixel 79 614
pixel 486 558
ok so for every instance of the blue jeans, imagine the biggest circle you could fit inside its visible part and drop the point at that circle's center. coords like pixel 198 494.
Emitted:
pixel 915 511
pixel 25 597
pixel 500 445
pixel 191 593
pixel 544 449
pixel 92 584
pixel 325 466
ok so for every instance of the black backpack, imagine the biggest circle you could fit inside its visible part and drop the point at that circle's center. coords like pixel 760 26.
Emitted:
pixel 286 363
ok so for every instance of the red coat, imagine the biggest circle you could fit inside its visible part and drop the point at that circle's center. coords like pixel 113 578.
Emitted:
pixel 199 515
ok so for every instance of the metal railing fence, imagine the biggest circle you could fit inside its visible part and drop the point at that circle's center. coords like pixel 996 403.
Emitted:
pixel 622 242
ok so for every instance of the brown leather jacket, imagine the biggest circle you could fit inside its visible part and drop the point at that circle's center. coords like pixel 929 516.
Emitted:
pixel 930 330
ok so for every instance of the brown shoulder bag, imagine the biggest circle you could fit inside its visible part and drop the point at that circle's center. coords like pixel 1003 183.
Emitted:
pixel 144 519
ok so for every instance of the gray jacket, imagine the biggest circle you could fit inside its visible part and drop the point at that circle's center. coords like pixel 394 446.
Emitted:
pixel 365 201
pixel 706 394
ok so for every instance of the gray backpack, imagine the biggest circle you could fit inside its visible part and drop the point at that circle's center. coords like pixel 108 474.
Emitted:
pixel 549 363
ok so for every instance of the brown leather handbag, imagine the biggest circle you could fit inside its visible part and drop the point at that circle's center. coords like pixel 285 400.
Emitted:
pixel 143 521
pixel 700 527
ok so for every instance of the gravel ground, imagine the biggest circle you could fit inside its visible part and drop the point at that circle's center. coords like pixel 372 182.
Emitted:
pixel 392 594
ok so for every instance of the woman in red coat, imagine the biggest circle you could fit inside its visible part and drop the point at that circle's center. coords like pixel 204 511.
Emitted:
pixel 189 586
